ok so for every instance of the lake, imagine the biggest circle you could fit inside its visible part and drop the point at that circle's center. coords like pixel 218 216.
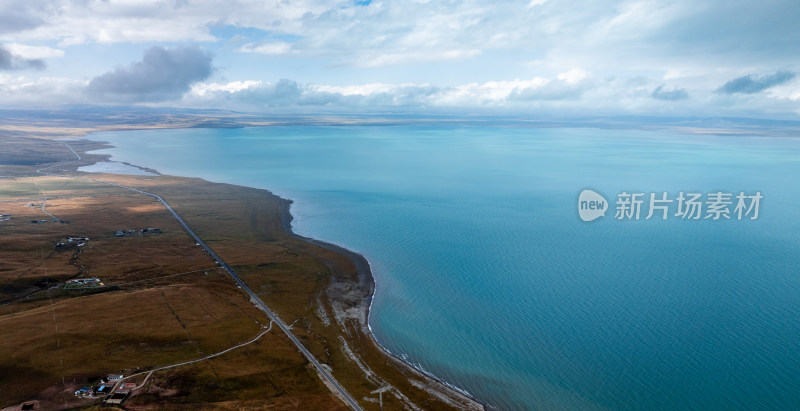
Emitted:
pixel 487 277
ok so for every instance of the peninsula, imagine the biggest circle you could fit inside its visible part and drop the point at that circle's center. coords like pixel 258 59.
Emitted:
pixel 153 290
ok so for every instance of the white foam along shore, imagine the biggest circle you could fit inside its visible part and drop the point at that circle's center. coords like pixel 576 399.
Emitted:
pixel 359 261
pixel 364 269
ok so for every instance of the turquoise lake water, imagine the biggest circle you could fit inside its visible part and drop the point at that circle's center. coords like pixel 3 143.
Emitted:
pixel 487 278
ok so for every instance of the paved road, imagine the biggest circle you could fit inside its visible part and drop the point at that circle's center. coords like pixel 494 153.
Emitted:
pixel 255 298
pixel 73 151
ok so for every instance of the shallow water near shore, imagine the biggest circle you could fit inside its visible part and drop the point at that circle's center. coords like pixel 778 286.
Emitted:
pixel 487 278
pixel 115 168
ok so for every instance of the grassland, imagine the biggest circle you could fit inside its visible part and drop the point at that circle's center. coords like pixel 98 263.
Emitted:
pixel 163 300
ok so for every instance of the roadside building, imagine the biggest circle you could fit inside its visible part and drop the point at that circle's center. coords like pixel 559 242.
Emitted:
pixel 102 389
pixel 83 392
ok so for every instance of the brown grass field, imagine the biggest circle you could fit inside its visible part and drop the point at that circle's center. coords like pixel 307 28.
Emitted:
pixel 164 301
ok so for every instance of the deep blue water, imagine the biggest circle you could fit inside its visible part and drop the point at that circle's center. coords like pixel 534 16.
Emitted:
pixel 488 279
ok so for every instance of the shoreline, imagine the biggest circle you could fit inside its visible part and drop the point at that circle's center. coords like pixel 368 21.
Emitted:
pixel 365 279
pixel 364 270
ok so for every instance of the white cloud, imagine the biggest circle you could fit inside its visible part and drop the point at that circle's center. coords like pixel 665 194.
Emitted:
pixel 413 58
pixel 267 48
pixel 573 76
pixel 200 89
pixel 361 89
pixel 620 35
pixel 789 90
pixel 566 54
pixel 33 52
pixel 372 95
pixel 40 92
pixel 488 93
pixel 544 95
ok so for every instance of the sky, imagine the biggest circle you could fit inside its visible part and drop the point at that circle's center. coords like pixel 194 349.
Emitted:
pixel 537 57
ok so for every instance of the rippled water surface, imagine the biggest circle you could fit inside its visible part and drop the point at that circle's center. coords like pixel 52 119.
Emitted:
pixel 488 279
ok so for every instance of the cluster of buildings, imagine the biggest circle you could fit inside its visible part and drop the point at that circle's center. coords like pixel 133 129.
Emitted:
pixel 77 241
pixel 108 388
pixel 126 233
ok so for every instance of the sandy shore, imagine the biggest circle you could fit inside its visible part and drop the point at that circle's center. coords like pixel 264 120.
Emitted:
pixel 349 293
pixel 343 292
pixel 366 289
